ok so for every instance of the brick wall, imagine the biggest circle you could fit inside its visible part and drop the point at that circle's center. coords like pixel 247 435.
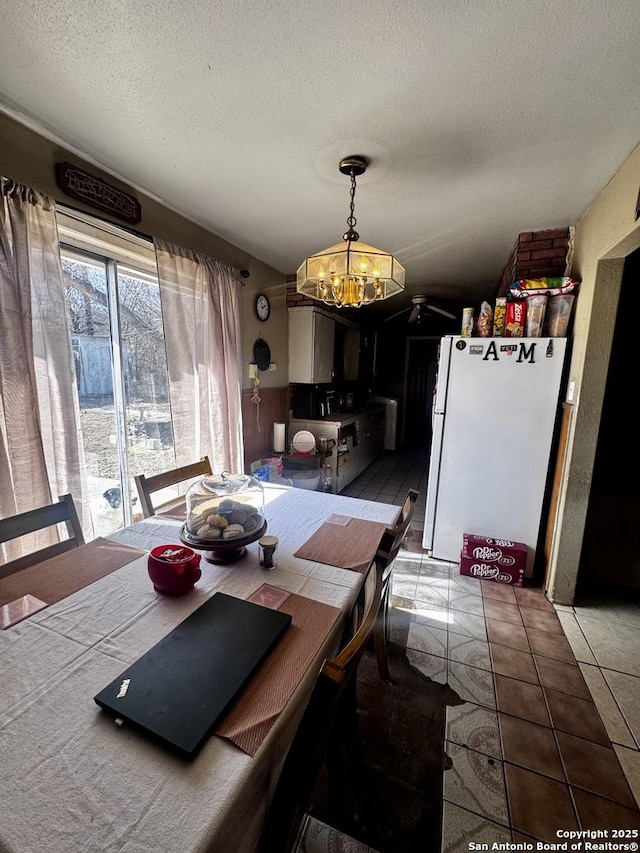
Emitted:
pixel 536 254
pixel 293 299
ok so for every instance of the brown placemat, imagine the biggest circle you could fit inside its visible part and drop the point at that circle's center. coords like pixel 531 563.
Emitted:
pixel 350 545
pixel 60 576
pixel 267 693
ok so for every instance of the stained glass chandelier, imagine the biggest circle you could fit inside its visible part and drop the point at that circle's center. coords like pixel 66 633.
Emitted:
pixel 351 274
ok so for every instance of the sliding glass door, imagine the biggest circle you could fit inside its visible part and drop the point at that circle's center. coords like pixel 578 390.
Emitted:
pixel 121 372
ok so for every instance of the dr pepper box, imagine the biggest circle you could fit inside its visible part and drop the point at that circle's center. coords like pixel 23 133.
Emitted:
pixel 493 559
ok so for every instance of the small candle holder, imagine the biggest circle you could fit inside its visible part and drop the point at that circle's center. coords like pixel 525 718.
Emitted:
pixel 267 557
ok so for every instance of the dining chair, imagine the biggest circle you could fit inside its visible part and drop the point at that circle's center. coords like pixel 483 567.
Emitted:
pixel 148 485
pixel 391 541
pixel 62 512
pixel 328 724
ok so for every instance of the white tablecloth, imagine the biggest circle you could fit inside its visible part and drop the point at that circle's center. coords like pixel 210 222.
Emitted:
pixel 72 781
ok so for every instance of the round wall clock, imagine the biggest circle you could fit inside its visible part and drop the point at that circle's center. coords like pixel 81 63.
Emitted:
pixel 263 307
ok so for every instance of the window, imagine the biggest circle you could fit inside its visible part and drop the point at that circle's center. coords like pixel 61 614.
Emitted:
pixel 115 317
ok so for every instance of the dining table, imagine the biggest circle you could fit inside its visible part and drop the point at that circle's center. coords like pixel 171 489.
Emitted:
pixel 72 780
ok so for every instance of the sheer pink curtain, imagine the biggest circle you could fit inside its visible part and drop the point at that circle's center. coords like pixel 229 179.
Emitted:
pixel 41 454
pixel 201 316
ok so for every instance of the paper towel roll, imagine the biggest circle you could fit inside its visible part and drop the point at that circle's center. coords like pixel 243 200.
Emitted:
pixel 278 437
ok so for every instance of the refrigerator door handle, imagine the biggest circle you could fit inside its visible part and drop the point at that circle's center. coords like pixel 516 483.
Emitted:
pixel 444 360
pixel 433 480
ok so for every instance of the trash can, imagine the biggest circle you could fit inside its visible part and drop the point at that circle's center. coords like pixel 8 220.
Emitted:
pixel 304 470
pixel 390 420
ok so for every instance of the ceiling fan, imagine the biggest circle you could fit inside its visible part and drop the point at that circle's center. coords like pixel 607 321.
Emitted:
pixel 419 307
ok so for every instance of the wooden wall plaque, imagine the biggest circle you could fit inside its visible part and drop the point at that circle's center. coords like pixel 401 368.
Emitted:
pixel 97 193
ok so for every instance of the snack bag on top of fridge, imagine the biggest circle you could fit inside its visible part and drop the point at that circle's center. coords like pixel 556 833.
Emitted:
pixel 550 286
pixel 484 326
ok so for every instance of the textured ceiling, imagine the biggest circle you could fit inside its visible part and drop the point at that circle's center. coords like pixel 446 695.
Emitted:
pixel 482 118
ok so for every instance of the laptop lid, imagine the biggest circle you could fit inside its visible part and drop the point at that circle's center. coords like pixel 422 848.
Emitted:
pixel 180 688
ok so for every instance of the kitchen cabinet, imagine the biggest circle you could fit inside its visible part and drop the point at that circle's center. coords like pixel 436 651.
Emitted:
pixel 311 339
pixel 367 442
pixel 351 354
pixel 346 352
pixel 359 441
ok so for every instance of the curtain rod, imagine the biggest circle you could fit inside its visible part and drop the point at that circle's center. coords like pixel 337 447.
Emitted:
pixel 82 215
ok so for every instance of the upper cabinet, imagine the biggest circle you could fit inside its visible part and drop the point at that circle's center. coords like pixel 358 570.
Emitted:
pixel 311 341
pixel 351 353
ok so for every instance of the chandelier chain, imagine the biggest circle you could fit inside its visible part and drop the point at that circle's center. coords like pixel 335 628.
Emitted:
pixel 351 219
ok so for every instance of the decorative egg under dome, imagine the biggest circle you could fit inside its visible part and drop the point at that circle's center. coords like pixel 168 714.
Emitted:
pixel 224 513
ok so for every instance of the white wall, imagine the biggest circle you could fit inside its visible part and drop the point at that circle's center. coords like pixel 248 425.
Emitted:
pixel 604 235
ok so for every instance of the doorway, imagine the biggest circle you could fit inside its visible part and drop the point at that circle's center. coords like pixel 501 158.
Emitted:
pixel 421 370
pixel 609 550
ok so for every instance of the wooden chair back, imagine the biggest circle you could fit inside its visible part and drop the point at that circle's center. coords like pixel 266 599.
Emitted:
pixel 394 537
pixel 392 540
pixel 38 519
pixel 332 697
pixel 148 485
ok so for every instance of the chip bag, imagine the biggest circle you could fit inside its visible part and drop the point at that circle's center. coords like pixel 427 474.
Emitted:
pixel 549 286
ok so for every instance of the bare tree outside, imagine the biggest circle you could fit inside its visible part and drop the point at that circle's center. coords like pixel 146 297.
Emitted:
pixel 148 418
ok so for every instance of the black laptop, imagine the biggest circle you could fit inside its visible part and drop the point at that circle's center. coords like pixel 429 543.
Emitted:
pixel 180 688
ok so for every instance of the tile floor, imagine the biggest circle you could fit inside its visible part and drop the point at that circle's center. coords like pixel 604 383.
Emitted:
pixel 547 735
pixel 317 837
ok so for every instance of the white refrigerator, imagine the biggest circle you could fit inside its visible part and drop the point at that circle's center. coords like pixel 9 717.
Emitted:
pixel 494 414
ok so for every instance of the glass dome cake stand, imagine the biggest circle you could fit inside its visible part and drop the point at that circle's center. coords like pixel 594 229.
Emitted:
pixel 225 513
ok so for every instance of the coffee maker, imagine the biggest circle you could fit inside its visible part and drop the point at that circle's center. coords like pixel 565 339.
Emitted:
pixel 329 401
pixel 311 402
